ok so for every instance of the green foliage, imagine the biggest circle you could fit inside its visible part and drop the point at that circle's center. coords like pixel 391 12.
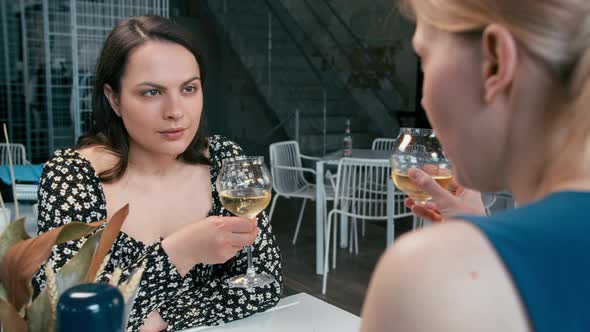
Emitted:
pixel 21 256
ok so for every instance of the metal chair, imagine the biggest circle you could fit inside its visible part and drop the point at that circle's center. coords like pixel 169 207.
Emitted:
pixel 288 178
pixel 26 192
pixel 380 144
pixel 17 151
pixel 23 192
pixel 361 192
pixel 383 144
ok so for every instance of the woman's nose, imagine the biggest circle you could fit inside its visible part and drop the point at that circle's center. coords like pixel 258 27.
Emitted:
pixel 173 108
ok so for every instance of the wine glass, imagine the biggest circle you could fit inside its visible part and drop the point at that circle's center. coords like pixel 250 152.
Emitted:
pixel 245 189
pixel 419 148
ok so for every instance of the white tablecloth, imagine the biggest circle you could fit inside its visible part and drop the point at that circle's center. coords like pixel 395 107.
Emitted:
pixel 297 313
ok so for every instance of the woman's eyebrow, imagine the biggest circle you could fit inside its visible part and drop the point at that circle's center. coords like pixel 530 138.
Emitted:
pixel 156 85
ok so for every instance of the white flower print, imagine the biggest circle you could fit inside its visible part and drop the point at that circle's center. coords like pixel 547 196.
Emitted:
pixel 70 190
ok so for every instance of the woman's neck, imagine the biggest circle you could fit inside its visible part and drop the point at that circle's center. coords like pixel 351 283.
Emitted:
pixel 548 152
pixel 146 163
pixel 559 177
pixel 554 162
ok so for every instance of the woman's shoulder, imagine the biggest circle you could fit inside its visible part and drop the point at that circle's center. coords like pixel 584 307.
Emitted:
pixel 99 157
pixel 67 161
pixel 89 161
pixel 452 264
pixel 221 147
pixel 423 249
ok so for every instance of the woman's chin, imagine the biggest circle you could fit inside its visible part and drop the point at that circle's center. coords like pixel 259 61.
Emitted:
pixel 173 149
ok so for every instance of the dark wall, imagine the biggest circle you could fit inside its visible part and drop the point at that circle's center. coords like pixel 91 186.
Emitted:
pixel 421 119
pixel 232 104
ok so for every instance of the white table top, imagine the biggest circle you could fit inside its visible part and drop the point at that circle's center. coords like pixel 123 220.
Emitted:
pixel 297 313
pixel 358 153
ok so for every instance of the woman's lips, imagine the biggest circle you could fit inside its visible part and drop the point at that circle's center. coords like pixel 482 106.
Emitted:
pixel 172 134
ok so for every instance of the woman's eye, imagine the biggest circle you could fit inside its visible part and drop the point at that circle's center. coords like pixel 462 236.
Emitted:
pixel 190 89
pixel 151 92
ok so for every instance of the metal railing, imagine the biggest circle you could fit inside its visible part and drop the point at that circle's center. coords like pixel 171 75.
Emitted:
pixel 302 42
pixel 48 46
pixel 360 44
pixel 273 12
pixel 365 54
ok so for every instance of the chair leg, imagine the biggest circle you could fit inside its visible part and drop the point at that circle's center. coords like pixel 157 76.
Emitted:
pixel 351 237
pixel 325 221
pixel 272 207
pixel 328 232
pixel 299 221
pixel 335 231
pixel 356 238
pixel 350 234
pixel 364 228
pixel 347 220
pixel 326 210
pixel 326 254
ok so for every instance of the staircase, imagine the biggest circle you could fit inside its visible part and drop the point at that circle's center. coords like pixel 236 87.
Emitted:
pixel 290 72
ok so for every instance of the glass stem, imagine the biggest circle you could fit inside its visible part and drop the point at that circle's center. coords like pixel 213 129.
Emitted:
pixel 250 270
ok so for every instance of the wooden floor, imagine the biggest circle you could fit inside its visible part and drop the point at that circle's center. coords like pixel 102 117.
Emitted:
pixel 348 283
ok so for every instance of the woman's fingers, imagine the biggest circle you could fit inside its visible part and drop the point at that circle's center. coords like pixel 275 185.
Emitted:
pixel 428 205
pixel 426 213
pixel 239 224
pixel 242 239
pixel 428 184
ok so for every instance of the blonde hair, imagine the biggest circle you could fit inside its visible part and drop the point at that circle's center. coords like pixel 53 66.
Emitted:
pixel 555 31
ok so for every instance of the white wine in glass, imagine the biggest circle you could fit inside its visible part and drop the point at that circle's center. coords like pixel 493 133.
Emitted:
pixel 419 148
pixel 245 202
pixel 245 190
pixel 403 182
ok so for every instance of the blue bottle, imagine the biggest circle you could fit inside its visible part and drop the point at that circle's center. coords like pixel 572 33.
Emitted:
pixel 90 308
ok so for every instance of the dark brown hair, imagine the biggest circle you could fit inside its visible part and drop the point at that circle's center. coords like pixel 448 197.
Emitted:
pixel 107 129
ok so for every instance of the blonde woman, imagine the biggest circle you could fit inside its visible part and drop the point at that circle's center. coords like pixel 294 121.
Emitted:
pixel 507 87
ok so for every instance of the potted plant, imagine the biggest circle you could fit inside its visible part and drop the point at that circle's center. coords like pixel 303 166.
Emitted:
pixel 21 257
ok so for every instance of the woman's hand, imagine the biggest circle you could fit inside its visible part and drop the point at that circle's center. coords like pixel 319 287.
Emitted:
pixel 154 323
pixel 213 240
pixel 444 203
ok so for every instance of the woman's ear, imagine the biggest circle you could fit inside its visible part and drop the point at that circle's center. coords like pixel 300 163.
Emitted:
pixel 112 98
pixel 500 57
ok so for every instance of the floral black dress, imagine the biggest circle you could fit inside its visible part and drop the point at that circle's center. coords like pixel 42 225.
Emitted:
pixel 70 190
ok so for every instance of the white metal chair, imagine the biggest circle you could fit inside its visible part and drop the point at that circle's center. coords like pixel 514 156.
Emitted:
pixel 383 144
pixel 18 152
pixel 288 178
pixel 23 192
pixel 361 192
pixel 26 192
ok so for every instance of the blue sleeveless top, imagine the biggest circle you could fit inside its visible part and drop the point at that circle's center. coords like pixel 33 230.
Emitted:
pixel 546 248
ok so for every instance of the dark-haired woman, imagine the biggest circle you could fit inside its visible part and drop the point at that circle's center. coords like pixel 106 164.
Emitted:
pixel 148 148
